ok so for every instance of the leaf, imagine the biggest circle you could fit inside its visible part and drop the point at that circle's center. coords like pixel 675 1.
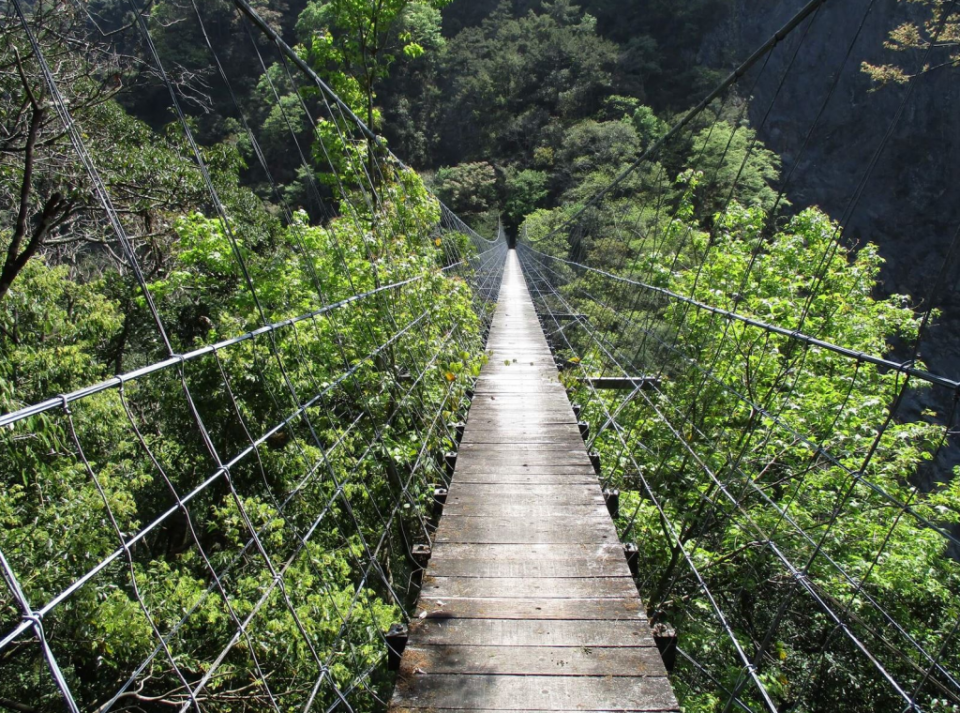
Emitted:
pixel 449 376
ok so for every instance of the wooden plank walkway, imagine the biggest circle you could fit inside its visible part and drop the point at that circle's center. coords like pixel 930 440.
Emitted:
pixel 527 603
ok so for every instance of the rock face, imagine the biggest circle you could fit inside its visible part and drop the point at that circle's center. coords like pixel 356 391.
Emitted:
pixel 909 201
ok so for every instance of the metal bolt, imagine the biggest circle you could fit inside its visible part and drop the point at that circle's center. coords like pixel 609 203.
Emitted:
pixel 396 639
pixel 439 500
pixel 595 461
pixel 612 498
pixel 632 553
pixel 450 460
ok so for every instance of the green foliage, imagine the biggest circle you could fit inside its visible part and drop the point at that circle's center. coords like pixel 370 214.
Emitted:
pixel 735 165
pixel 354 42
pixel 72 481
pixel 933 35
pixel 593 151
pixel 649 127
pixel 469 189
pixel 511 77
pixel 733 447
pixel 526 190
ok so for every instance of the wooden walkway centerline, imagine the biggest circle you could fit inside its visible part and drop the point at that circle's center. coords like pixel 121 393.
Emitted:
pixel 527 603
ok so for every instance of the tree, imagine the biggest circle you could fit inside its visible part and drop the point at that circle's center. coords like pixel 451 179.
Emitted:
pixel 512 78
pixel 46 195
pixel 726 462
pixel 590 147
pixel 470 189
pixel 526 190
pixel 936 36
pixel 356 41
pixel 735 165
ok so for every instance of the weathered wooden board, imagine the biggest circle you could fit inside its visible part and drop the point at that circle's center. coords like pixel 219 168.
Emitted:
pixel 497 459
pixel 493 418
pixel 598 551
pixel 519 465
pixel 515 388
pixel 583 693
pixel 561 632
pixel 487 417
pixel 527 602
pixel 531 568
pixel 524 530
pixel 480 493
pixel 509 478
pixel 525 426
pixel 533 661
pixel 510 508
pixel 542 588
pixel 510 404
pixel 532 609
pixel 573 450
pixel 526 438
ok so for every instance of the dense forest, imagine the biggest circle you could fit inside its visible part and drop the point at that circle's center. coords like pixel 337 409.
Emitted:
pixel 265 489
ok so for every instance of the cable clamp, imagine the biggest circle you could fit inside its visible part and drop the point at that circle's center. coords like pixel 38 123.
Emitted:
pixel 35 620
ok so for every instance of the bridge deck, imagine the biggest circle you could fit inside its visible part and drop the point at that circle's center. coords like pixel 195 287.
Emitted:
pixel 528 603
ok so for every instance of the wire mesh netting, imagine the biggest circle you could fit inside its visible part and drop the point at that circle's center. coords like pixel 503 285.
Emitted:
pixel 220 514
pixel 734 360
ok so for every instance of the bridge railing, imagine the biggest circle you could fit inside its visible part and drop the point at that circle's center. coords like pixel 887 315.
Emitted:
pixel 229 379
pixel 781 450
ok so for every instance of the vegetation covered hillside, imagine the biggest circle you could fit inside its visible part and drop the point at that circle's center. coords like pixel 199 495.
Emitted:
pixel 249 327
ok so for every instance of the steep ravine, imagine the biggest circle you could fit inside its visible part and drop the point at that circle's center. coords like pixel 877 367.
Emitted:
pixel 909 206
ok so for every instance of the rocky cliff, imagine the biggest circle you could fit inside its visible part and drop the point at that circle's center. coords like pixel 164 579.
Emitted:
pixel 909 203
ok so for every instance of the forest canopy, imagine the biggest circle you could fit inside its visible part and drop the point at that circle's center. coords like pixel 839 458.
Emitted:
pixel 273 323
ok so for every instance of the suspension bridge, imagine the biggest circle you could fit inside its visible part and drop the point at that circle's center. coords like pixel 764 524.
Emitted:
pixel 528 602
pixel 656 456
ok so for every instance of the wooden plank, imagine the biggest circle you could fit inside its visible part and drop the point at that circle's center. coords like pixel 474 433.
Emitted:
pixel 519 465
pixel 530 477
pixel 510 508
pixel 515 411
pixel 533 661
pixel 531 403
pixel 501 438
pixel 495 530
pixel 488 417
pixel 525 388
pixel 558 453
pixel 505 632
pixel 512 354
pixel 597 551
pixel 503 463
pixel 531 568
pixel 529 433
pixel 530 588
pixel 526 428
pixel 521 693
pixel 532 609
pixel 535 492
